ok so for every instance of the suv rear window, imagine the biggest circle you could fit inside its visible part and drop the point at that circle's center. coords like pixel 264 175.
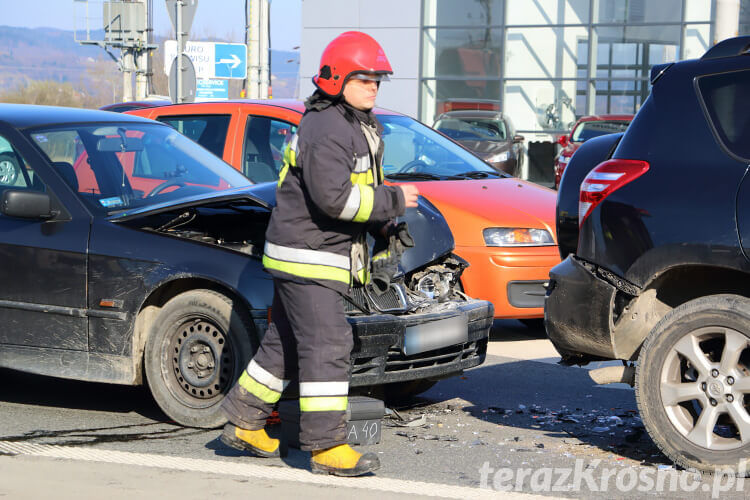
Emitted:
pixel 728 105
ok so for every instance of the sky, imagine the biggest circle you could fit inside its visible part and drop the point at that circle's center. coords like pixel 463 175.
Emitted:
pixel 213 18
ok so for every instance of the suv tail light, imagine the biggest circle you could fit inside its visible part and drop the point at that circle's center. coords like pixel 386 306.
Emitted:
pixel 605 179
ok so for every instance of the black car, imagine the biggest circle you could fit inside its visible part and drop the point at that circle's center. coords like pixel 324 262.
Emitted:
pixel 654 227
pixel 129 251
pixel 488 134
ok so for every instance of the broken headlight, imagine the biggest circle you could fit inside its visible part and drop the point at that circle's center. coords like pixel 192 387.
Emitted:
pixel 439 281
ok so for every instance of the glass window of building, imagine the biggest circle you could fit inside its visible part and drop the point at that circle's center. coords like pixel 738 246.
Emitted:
pixel 546 63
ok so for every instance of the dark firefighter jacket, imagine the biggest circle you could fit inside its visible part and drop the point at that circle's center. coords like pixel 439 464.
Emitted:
pixel 330 192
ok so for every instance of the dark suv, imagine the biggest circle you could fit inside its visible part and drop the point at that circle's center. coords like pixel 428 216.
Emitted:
pixel 654 229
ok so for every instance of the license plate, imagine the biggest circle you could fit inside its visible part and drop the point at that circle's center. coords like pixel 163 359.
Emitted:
pixel 436 334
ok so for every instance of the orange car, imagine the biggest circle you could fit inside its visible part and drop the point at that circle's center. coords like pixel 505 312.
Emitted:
pixel 503 226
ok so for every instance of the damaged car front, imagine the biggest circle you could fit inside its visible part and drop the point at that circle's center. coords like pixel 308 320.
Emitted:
pixel 173 291
pixel 422 329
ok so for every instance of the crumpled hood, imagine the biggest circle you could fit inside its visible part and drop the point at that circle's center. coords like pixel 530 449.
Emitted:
pixel 249 193
pixel 470 206
pixel 426 224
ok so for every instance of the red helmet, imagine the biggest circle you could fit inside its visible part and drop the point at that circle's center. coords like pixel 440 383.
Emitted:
pixel 349 53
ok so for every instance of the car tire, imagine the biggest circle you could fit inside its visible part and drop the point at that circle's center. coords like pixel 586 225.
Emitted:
pixel 196 349
pixel 9 169
pixel 693 384
pixel 401 392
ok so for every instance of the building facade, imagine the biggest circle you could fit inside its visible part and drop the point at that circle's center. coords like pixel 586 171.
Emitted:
pixel 544 63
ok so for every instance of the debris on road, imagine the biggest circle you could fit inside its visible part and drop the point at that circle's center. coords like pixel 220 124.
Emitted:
pixel 616 434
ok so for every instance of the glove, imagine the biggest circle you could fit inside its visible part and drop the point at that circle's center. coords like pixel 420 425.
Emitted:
pixel 400 232
pixel 384 266
pixel 386 259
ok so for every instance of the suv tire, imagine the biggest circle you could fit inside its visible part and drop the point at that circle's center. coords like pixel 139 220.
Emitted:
pixel 692 382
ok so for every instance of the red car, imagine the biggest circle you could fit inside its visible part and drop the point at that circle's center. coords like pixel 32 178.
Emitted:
pixel 585 128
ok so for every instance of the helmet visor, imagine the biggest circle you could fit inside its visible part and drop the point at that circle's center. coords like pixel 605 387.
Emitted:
pixel 371 77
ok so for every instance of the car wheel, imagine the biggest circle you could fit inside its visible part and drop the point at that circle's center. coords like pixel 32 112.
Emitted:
pixel 9 169
pixel 197 348
pixel 403 391
pixel 693 383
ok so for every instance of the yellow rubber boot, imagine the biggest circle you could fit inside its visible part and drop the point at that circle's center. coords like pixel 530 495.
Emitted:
pixel 342 460
pixel 256 442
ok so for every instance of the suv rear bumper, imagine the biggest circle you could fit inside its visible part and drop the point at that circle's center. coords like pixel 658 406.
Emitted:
pixel 577 311
pixel 378 356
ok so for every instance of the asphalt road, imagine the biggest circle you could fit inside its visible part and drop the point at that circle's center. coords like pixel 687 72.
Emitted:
pixel 519 422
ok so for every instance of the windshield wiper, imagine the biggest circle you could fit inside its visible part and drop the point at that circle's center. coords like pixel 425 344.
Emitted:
pixel 414 175
pixel 479 174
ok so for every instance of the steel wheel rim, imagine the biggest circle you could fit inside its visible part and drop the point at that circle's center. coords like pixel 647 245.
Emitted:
pixel 704 389
pixel 199 363
pixel 8 172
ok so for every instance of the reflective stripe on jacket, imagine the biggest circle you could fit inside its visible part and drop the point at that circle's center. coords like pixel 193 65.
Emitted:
pixel 330 191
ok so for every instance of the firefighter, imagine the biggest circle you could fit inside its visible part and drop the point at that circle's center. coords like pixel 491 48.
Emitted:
pixel 330 193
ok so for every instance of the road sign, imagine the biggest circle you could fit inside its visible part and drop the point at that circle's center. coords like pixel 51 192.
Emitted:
pixel 188 81
pixel 230 60
pixel 188 13
pixel 212 90
pixel 211 59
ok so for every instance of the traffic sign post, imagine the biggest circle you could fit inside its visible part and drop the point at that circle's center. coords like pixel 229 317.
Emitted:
pixel 182 88
pixel 183 8
pixel 181 12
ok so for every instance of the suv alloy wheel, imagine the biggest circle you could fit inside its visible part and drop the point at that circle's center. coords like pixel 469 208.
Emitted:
pixel 693 383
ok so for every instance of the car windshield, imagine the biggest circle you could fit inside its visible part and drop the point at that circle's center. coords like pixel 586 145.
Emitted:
pixel 588 130
pixel 472 129
pixel 120 166
pixel 413 148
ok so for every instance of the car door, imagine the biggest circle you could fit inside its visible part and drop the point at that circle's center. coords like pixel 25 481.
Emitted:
pixel 263 147
pixel 43 262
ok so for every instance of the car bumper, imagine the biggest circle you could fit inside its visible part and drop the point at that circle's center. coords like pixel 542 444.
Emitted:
pixel 512 279
pixel 378 356
pixel 577 312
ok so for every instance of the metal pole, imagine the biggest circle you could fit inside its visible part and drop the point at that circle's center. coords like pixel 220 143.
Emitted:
pixel 180 49
pixel 127 75
pixel 591 58
pixel 253 50
pixel 142 58
pixel 149 53
pixel 247 50
pixel 263 50
pixel 727 19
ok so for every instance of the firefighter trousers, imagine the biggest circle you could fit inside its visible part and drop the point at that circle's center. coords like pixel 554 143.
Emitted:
pixel 308 341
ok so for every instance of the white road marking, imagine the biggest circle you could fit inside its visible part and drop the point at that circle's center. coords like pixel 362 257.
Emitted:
pixel 255 471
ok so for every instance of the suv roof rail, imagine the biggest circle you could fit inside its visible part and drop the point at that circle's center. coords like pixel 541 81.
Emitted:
pixel 728 48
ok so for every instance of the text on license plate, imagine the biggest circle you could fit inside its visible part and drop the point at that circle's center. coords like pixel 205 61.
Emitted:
pixel 436 334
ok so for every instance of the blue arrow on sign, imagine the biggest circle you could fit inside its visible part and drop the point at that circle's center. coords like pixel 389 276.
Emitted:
pixel 230 60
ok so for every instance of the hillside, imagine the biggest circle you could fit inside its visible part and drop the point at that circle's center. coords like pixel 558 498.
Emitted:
pixel 51 54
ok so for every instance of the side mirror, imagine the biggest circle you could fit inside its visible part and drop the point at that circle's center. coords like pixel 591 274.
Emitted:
pixel 563 140
pixel 26 204
pixel 518 138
